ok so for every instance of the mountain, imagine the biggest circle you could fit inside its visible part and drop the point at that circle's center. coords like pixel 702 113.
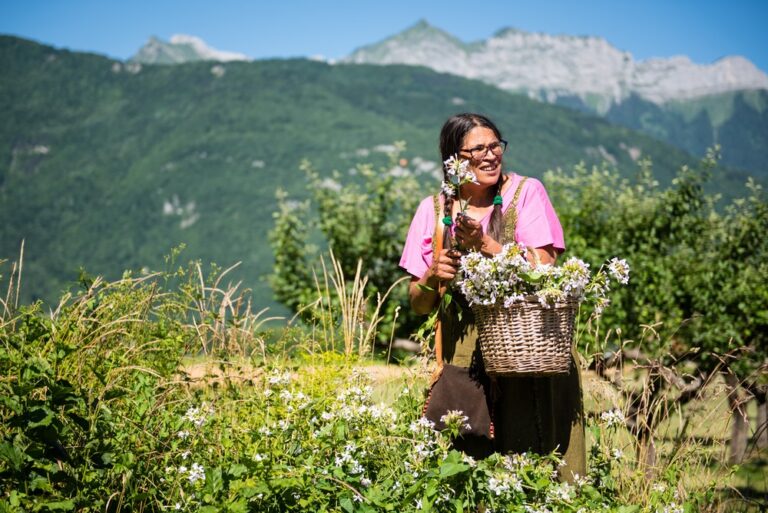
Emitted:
pixel 589 74
pixel 548 67
pixel 182 48
pixel 108 166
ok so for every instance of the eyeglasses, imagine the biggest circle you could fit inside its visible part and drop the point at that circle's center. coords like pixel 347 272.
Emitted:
pixel 479 152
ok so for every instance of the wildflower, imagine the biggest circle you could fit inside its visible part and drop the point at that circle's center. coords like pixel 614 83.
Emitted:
pixel 177 506
pixel 278 378
pixel 613 418
pixel 259 457
pixel 365 482
pixel 469 460
pixel 185 455
pixel 196 473
pixel 659 487
pixel 619 270
pixel 671 508
pixel 562 492
pixel 455 418
pixel 617 454
pixel 195 415
pixel 183 434
pixel 418 503
pixel 457 173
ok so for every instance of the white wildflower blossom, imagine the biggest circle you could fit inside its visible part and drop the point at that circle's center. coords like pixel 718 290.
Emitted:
pixel 563 492
pixel 659 487
pixel 619 270
pixel 617 454
pixel 184 434
pixel 671 508
pixel 455 418
pixel 365 482
pixel 196 473
pixel 582 481
pixel 196 416
pixel 612 418
pixel 278 378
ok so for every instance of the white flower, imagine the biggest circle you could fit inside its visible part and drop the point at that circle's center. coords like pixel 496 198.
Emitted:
pixel 365 482
pixel 177 506
pixel 196 473
pixel 196 415
pixel 613 418
pixel 455 418
pixel 671 508
pixel 185 455
pixel 183 434
pixel 617 454
pixel 619 270
pixel 659 487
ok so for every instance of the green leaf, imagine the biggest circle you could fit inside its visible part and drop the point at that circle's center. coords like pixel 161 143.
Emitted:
pixel 448 469
pixel 67 505
pixel 346 505
pixel 237 470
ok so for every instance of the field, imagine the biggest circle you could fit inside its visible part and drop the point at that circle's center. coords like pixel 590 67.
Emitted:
pixel 131 396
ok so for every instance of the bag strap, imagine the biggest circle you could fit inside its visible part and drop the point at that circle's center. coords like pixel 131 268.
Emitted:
pixel 437 245
pixel 510 216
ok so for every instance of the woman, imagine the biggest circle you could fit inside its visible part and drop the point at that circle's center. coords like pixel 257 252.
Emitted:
pixel 529 414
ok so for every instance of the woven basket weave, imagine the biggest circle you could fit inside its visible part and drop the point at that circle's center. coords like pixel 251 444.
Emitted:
pixel 526 339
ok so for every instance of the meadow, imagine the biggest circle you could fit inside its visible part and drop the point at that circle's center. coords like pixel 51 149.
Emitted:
pixel 165 391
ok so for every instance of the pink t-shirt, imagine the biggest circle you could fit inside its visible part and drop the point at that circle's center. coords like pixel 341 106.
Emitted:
pixel 537 224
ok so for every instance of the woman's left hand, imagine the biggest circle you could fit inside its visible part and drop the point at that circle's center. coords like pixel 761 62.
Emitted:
pixel 469 233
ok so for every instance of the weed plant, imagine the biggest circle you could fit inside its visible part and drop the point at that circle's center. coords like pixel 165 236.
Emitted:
pixel 98 414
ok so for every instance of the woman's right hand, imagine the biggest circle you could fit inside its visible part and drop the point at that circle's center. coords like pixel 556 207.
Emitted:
pixel 445 266
pixel 424 292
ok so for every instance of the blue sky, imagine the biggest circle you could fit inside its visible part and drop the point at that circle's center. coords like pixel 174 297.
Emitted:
pixel 705 30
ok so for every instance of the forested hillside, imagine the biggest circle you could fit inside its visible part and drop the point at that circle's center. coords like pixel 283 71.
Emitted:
pixel 109 165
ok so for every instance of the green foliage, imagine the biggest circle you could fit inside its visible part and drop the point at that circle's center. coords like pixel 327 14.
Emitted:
pixel 364 219
pixel 734 120
pixel 694 268
pixel 98 414
pixel 106 166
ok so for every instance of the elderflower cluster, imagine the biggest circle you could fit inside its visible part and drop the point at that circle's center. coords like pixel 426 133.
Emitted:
pixel 509 278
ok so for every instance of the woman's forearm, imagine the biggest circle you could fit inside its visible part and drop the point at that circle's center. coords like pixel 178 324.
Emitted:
pixel 424 294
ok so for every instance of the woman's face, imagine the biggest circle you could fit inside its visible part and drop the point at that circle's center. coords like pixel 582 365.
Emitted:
pixel 485 165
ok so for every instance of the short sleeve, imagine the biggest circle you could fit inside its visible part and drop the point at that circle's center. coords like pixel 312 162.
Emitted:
pixel 417 252
pixel 537 222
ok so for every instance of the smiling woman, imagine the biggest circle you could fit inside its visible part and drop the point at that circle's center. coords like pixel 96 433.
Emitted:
pixel 539 414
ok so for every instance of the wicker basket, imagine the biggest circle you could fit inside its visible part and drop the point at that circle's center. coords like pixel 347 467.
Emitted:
pixel 526 339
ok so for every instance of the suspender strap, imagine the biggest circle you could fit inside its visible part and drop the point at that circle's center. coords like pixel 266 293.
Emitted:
pixel 510 216
pixel 437 245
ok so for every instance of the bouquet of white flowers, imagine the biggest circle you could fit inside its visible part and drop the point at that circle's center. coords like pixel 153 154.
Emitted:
pixel 525 312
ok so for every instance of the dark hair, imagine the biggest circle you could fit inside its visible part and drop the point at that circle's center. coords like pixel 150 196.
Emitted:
pixel 451 140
